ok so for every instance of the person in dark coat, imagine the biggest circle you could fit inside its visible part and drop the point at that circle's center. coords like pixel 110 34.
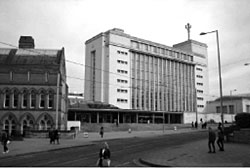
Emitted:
pixel 211 140
pixel 56 134
pixel 4 141
pixel 51 136
pixel 205 125
pixel 104 155
pixel 219 126
pixel 196 124
pixel 101 131
pixel 220 140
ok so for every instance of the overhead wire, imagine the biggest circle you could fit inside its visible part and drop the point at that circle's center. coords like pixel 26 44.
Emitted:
pixel 143 80
pixel 174 82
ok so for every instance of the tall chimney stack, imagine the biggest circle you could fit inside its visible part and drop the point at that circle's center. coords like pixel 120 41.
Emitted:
pixel 26 42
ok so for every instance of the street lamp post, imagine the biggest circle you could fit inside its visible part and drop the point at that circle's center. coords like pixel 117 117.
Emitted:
pixel 220 80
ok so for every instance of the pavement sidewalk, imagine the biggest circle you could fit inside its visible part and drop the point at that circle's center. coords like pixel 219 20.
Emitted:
pixel 33 145
pixel 195 154
pixel 191 154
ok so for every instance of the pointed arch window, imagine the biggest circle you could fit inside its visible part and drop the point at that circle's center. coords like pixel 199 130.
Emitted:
pixel 27 123
pixel 25 99
pixel 15 99
pixel 32 99
pixel 9 124
pixel 7 99
pixel 50 99
pixel 42 99
pixel 45 123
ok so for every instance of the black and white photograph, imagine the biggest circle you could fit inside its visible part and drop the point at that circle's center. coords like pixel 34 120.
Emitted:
pixel 125 83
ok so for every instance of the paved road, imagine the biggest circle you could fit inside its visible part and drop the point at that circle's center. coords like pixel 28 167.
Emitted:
pixel 124 152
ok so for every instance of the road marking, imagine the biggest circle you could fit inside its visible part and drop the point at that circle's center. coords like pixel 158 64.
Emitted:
pixel 123 164
pixel 81 158
pixel 47 163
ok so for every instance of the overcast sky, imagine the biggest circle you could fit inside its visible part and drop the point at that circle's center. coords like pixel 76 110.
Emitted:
pixel 69 23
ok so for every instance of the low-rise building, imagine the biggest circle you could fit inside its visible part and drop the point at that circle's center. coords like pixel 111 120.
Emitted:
pixel 231 105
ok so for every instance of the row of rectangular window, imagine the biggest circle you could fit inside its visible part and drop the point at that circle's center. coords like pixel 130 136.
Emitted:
pixel 200 98
pixel 122 81
pixel 122 100
pixel 200 106
pixel 122 71
pixel 199 91
pixel 225 109
pixel 159 50
pixel 199 69
pixel 93 65
pixel 122 90
pixel 199 76
pixel 11 100
pixel 122 52
pixel 11 76
pixel 200 84
pixel 122 62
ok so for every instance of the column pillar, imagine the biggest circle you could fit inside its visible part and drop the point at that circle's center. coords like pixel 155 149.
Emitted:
pixel 169 121
pixel 153 118
pixel 123 118
pixel 90 118
pixel 97 118
pixel 118 117
pixel 137 118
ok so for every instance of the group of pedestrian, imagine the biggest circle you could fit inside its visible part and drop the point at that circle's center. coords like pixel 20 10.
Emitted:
pixel 194 125
pixel 5 140
pixel 212 139
pixel 203 125
pixel 54 135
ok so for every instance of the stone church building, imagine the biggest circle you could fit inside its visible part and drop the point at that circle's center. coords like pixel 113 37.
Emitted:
pixel 33 88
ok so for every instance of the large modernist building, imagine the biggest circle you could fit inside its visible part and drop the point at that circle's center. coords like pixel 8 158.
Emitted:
pixel 133 73
pixel 33 89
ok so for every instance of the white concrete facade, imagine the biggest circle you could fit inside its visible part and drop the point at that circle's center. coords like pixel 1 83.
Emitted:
pixel 201 71
pixel 133 73
pixel 231 105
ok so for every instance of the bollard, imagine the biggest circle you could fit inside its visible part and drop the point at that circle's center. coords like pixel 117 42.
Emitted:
pixel 85 134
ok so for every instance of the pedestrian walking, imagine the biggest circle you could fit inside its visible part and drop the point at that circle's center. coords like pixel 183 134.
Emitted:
pixel 220 140
pixel 196 124
pixel 104 156
pixel 192 124
pixel 5 141
pixel 219 126
pixel 52 136
pixel 101 131
pixel 211 140
pixel 205 125
pixel 201 123
pixel 57 136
